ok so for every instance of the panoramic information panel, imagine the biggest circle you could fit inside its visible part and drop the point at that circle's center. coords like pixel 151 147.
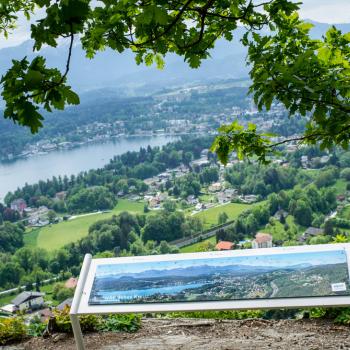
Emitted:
pixel 242 275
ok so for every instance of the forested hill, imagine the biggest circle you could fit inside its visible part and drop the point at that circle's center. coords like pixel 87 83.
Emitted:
pixel 227 61
pixel 146 113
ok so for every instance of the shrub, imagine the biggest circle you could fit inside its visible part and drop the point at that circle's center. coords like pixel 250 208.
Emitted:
pixel 343 317
pixel 36 328
pixel 12 329
pixel 120 323
pixel 88 323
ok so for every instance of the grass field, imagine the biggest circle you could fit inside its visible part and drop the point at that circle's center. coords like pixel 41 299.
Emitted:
pixel 7 299
pixel 30 237
pixel 195 247
pixel 211 215
pixel 340 186
pixel 56 236
pixel 345 213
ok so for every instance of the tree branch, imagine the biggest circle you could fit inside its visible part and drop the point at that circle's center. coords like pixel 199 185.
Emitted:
pixel 51 86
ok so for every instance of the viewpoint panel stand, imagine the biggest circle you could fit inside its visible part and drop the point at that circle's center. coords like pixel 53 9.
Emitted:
pixel 272 278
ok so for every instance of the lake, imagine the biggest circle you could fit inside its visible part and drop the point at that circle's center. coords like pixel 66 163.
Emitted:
pixel 67 162
pixel 106 297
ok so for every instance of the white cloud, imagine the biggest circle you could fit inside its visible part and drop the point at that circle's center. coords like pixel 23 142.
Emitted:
pixel 326 11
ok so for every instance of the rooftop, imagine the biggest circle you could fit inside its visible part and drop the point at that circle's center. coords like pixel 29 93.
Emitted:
pixel 71 282
pixel 262 237
pixel 224 245
pixel 24 296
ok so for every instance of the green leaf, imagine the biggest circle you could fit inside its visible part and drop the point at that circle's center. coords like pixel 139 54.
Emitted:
pixel 71 97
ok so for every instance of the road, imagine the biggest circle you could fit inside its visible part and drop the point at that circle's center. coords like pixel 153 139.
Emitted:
pixel 274 289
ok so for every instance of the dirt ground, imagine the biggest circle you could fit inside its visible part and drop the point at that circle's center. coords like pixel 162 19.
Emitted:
pixel 186 334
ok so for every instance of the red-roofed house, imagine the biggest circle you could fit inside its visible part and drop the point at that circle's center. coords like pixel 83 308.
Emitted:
pixel 224 245
pixel 262 240
pixel 71 283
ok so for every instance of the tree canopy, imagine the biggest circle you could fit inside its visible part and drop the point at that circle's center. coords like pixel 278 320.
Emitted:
pixel 309 77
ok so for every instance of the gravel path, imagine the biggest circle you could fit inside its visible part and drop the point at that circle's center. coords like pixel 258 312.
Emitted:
pixel 186 334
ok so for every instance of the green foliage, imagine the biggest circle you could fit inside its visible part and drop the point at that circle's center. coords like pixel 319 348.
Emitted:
pixel 88 323
pixel 90 199
pixel 222 218
pixel 343 317
pixel 120 323
pixel 317 312
pixel 229 315
pixel 11 237
pixel 61 293
pixel 27 86
pixel 245 142
pixel 36 328
pixel 338 315
pixel 11 330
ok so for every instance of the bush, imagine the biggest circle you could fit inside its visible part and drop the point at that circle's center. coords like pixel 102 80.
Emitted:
pixel 12 329
pixel 343 317
pixel 36 328
pixel 91 323
pixel 228 315
pixel 120 323
pixel 88 323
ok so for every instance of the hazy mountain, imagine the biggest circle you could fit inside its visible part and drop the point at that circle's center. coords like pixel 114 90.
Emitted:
pixel 111 69
pixel 120 72
pixel 193 271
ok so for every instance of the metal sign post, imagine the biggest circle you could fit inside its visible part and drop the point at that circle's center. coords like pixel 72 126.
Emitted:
pixel 78 335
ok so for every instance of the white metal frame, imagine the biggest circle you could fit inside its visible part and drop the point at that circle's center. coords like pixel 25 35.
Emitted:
pixel 80 305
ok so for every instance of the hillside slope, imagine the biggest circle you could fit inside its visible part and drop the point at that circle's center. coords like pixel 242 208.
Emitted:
pixel 188 334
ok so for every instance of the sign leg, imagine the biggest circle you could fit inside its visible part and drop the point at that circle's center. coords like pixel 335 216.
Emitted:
pixel 78 335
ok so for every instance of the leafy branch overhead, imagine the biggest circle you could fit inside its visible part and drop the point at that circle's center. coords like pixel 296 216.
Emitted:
pixel 309 77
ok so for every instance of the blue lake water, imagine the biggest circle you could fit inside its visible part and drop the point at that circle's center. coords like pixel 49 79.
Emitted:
pixel 67 162
pixel 124 295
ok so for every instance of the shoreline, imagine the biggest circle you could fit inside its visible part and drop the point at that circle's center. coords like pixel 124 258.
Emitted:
pixel 89 142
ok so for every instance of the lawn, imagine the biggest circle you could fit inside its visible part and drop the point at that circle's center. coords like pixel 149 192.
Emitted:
pixel 4 300
pixel 30 237
pixel 345 212
pixel 210 216
pixel 56 236
pixel 340 186
pixel 195 246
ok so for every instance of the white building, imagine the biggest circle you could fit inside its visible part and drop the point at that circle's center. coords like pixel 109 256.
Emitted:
pixel 262 240
pixel 28 301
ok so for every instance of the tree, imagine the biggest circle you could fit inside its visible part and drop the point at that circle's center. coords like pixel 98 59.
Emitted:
pixel 345 174
pixel 61 293
pixel 222 219
pixel 90 199
pixel 302 213
pixel 329 228
pixel 309 77
pixel 169 206
pixel 51 216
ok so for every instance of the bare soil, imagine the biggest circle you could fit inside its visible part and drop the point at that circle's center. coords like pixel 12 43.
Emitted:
pixel 186 334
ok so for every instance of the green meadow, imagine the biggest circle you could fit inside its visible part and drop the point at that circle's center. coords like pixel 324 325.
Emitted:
pixel 57 235
pixel 210 216
pixel 196 247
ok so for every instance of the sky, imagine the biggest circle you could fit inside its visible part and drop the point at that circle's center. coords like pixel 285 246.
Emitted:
pixel 325 11
pixel 280 260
